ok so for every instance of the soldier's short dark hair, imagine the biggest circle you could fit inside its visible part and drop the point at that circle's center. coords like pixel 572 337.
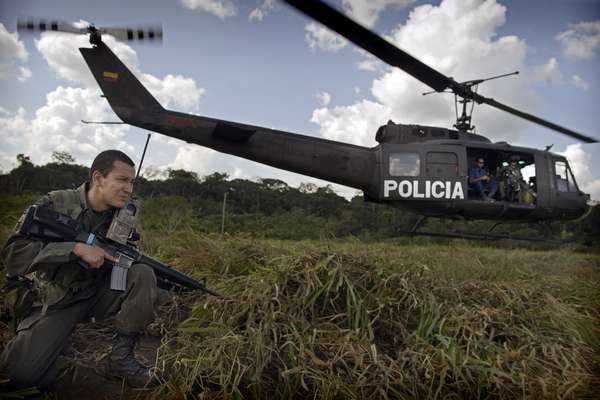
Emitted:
pixel 104 162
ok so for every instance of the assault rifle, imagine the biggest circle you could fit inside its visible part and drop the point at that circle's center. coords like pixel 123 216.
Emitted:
pixel 46 224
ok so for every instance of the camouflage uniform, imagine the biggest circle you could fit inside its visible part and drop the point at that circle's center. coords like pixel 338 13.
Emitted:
pixel 67 293
pixel 510 185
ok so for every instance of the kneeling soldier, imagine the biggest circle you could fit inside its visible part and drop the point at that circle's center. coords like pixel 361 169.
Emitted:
pixel 66 293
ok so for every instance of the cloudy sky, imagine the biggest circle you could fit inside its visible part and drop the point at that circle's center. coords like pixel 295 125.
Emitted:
pixel 262 63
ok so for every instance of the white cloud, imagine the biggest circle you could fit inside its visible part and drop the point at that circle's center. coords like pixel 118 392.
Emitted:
pixel 174 90
pixel 56 126
pixel 356 123
pixel 319 37
pixel 192 158
pixel 259 13
pixel 548 72
pixel 256 15
pixel 580 83
pixel 324 98
pixel 369 64
pixel 61 52
pixel 12 51
pixel 23 74
pixel 367 12
pixel 219 8
pixel 579 160
pixel 582 40
pixel 459 39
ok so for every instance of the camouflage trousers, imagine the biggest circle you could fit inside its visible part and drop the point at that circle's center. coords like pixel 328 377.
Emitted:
pixel 30 358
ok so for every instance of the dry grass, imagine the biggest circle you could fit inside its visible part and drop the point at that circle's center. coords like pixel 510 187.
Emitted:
pixel 335 320
pixel 346 319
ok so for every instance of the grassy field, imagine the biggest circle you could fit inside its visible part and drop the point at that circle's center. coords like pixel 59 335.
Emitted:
pixel 341 319
pixel 345 319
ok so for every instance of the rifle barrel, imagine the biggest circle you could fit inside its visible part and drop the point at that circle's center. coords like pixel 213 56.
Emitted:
pixel 174 276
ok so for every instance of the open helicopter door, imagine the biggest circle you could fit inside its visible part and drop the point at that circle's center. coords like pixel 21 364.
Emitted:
pixel 424 174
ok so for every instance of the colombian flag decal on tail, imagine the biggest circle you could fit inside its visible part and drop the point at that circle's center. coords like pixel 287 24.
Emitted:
pixel 110 76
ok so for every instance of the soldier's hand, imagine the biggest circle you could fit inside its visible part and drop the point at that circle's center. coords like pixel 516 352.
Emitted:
pixel 92 255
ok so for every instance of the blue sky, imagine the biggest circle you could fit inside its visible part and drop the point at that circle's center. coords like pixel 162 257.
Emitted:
pixel 285 72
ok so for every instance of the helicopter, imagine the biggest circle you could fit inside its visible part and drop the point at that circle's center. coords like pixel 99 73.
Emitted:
pixel 424 169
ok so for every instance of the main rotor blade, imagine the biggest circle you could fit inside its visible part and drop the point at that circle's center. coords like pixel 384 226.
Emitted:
pixel 537 120
pixel 373 43
pixel 387 52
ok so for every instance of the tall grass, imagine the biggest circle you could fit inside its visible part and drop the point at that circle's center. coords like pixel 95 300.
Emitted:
pixel 400 319
pixel 334 320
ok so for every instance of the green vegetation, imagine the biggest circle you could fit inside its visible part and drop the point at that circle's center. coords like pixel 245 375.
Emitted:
pixel 321 301
pixel 347 319
pixel 267 208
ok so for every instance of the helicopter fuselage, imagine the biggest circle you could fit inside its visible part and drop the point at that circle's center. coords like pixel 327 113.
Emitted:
pixel 421 168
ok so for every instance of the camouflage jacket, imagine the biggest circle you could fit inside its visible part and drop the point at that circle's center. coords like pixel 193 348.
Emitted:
pixel 512 175
pixel 52 266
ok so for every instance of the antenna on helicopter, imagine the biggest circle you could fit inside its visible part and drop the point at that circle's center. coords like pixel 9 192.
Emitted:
pixel 463 122
pixel 83 121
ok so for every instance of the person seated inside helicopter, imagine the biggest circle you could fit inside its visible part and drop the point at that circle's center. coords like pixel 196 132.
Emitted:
pixel 511 183
pixel 481 181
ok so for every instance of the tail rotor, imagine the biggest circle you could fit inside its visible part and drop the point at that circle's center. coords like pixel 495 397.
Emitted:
pixel 153 34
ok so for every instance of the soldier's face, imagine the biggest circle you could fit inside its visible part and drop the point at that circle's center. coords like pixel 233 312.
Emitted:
pixel 116 187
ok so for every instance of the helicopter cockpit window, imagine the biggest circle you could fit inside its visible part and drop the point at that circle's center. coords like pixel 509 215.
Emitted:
pixel 405 164
pixel 564 178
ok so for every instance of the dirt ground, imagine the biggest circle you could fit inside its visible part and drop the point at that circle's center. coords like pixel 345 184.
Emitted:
pixel 83 361
pixel 84 376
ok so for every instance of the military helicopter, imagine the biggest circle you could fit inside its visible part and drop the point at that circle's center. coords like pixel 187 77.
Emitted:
pixel 420 168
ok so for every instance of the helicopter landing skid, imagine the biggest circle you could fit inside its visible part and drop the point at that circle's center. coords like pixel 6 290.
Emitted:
pixel 544 226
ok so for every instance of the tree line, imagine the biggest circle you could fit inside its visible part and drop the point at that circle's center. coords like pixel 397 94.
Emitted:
pixel 266 207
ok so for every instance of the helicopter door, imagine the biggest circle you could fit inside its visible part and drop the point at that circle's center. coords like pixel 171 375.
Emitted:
pixel 446 165
pixel 422 173
pixel 568 196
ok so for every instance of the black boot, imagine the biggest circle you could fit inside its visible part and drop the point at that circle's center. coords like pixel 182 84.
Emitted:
pixel 122 363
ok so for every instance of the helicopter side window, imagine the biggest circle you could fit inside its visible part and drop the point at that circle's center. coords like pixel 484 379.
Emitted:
pixel 442 164
pixel 405 164
pixel 564 178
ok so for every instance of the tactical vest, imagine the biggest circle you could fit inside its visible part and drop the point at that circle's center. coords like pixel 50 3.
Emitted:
pixel 21 294
pixel 50 291
pixel 66 202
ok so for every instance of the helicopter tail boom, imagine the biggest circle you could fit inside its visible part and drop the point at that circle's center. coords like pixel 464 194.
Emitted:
pixel 337 162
